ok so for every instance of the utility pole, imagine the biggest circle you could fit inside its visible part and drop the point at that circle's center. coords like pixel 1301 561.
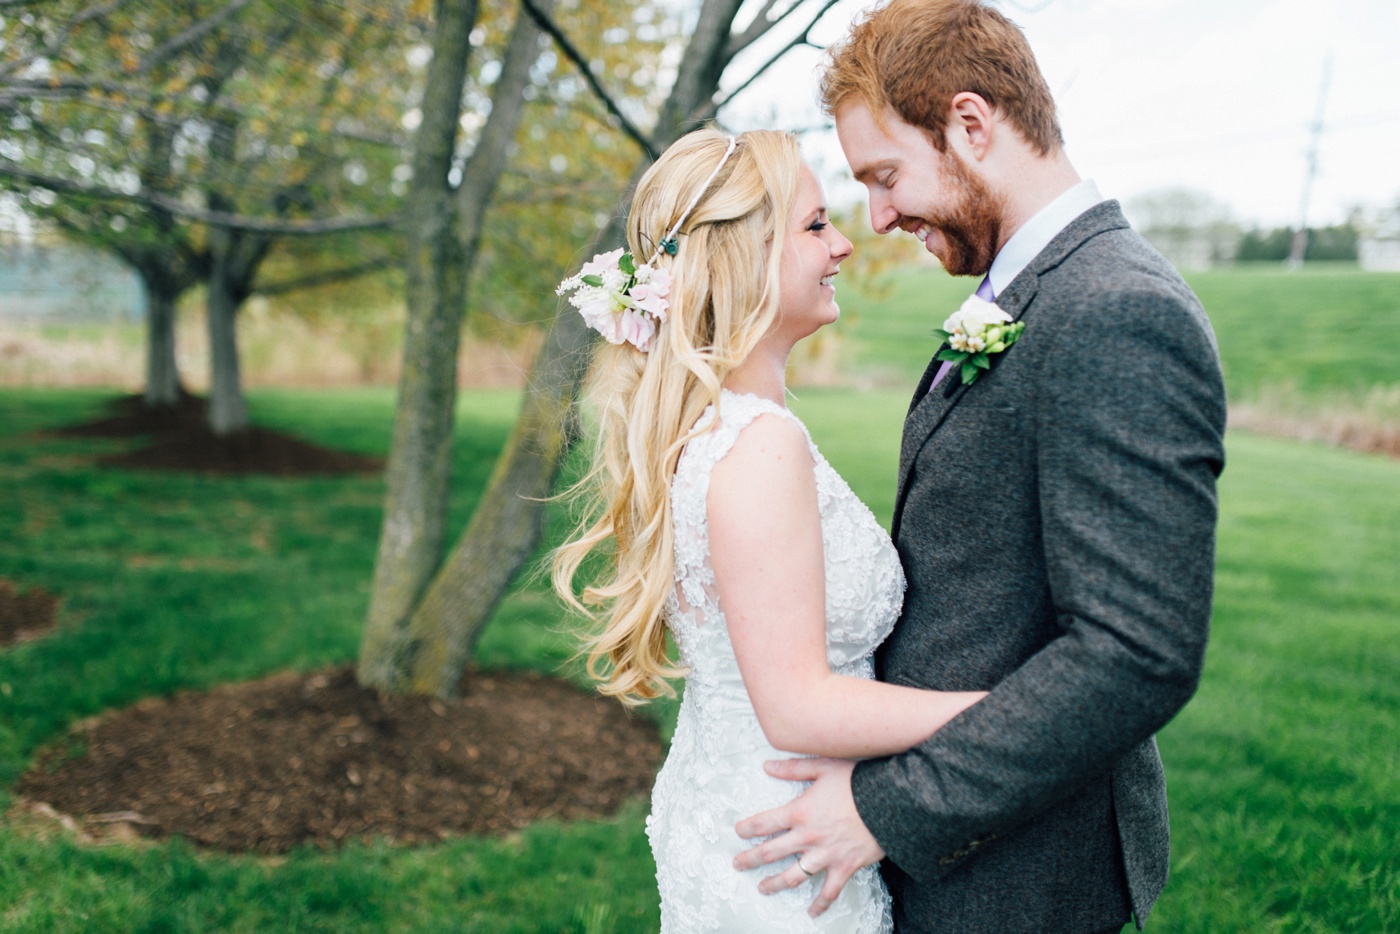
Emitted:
pixel 1300 236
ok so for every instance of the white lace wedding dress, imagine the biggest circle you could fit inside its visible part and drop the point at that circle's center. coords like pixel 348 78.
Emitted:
pixel 714 774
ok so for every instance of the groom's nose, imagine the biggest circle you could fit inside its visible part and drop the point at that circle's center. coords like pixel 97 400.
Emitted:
pixel 883 217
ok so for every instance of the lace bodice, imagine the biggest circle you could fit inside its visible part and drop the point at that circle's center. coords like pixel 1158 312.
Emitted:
pixel 713 775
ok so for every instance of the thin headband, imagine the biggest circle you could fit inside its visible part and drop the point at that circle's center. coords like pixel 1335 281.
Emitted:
pixel 668 243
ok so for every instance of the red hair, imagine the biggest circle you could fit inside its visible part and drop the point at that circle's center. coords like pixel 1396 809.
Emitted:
pixel 914 56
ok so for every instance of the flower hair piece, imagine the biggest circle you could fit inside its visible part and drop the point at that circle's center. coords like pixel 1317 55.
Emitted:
pixel 625 302
pixel 619 299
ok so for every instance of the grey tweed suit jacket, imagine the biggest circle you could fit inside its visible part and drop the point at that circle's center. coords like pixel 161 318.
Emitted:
pixel 1056 520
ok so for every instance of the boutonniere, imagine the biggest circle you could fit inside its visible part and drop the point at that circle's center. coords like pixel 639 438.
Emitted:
pixel 974 332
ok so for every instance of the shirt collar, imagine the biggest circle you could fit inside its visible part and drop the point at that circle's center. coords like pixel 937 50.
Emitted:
pixel 1036 233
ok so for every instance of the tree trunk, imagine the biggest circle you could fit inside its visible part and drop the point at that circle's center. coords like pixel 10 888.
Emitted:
pixel 162 375
pixel 418 474
pixel 395 648
pixel 506 528
pixel 228 411
pixel 234 259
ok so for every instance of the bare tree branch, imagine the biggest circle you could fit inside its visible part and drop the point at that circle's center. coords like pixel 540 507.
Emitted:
pixel 561 193
pixel 572 53
pixel 328 276
pixel 373 139
pixel 226 219
pixel 191 35
pixel 758 28
pixel 27 89
pixel 803 38
pixel 93 12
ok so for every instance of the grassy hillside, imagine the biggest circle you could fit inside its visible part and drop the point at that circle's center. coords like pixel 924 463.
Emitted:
pixel 1324 332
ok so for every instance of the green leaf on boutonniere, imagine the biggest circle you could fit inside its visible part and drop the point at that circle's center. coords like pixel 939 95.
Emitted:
pixel 970 373
pixel 943 334
pixel 980 361
pixel 951 355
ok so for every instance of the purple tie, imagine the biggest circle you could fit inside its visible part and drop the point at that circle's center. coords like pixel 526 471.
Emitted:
pixel 984 292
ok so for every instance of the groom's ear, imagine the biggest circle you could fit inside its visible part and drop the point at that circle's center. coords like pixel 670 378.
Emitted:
pixel 971 122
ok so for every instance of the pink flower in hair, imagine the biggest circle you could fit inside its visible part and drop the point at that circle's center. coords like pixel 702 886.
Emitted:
pixel 652 295
pixel 620 300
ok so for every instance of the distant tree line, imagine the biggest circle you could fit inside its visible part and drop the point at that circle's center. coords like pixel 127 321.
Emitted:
pixel 1339 243
pixel 1196 230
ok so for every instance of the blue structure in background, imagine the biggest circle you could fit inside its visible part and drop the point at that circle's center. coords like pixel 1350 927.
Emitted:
pixel 67 283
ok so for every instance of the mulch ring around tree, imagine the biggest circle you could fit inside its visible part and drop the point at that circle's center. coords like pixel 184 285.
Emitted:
pixel 296 759
pixel 181 441
pixel 27 615
pixel 130 417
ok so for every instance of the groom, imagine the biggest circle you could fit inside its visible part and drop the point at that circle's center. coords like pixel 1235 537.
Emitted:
pixel 1056 517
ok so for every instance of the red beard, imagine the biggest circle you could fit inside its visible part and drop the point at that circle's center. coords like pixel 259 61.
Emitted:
pixel 972 228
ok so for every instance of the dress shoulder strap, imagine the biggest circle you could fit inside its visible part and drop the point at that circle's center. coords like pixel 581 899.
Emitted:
pixel 736 412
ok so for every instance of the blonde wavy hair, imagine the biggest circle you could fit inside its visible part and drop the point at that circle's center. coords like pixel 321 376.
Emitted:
pixel 644 406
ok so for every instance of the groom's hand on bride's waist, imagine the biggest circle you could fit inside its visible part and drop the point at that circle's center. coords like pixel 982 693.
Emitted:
pixel 820 826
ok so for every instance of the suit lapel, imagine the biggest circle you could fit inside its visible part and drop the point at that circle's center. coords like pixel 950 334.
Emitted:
pixel 925 381
pixel 930 409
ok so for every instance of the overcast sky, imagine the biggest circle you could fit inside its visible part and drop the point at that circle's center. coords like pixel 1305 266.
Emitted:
pixel 1214 95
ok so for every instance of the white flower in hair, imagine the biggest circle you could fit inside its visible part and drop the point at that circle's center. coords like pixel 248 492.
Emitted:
pixel 625 302
pixel 618 299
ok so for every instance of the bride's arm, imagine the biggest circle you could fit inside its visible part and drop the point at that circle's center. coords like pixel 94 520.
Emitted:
pixel 766 550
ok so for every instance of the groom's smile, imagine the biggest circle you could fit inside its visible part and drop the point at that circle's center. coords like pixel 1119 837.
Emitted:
pixel 936 196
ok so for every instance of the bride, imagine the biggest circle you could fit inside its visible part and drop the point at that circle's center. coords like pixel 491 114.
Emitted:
pixel 717 519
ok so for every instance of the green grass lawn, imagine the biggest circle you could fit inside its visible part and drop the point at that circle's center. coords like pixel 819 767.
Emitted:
pixel 1284 771
pixel 172 582
pixel 1324 333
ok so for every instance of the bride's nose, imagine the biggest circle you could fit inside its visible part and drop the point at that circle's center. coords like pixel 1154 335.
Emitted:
pixel 840 246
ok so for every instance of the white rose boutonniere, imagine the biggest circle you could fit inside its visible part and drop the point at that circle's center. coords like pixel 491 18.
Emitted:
pixel 973 333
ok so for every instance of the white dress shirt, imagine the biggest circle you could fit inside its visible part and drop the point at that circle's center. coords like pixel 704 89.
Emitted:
pixel 1034 236
pixel 1036 233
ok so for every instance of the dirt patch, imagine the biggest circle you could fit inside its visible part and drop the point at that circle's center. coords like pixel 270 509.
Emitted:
pixel 130 417
pixel 27 615
pixel 316 759
pixel 196 449
pixel 181 441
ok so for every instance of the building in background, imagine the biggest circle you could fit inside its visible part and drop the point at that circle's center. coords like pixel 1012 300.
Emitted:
pixel 1378 249
pixel 1191 228
pixel 1379 253
pixel 61 282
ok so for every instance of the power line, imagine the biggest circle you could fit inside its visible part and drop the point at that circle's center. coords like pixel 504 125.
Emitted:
pixel 1300 236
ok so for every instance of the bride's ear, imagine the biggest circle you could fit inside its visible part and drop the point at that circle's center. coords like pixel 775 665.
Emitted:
pixel 971 124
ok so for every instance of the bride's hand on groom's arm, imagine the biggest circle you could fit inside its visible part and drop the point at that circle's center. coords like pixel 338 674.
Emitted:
pixel 821 826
